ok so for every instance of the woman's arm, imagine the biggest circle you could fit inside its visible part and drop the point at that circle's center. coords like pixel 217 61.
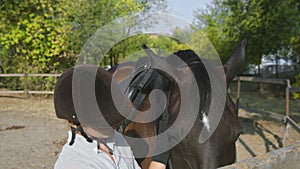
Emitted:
pixel 157 165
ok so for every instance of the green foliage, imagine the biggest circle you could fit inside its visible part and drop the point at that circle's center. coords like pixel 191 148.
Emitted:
pixel 44 36
pixel 86 16
pixel 41 83
pixel 132 47
pixel 30 38
pixel 297 84
pixel 268 26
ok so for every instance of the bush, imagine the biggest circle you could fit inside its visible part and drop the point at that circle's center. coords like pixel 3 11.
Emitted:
pixel 296 84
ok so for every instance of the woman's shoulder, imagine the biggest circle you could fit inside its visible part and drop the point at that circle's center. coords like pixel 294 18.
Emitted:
pixel 120 138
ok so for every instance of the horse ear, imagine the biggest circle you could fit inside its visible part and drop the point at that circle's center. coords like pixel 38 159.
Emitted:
pixel 155 61
pixel 159 62
pixel 235 63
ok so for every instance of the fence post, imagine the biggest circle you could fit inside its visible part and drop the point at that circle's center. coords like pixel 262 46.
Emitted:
pixel 26 85
pixel 287 97
pixel 287 110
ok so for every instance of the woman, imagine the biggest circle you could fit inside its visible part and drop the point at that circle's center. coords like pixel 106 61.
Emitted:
pixel 93 141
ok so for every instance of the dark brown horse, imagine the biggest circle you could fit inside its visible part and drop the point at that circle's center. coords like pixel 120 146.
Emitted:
pixel 214 148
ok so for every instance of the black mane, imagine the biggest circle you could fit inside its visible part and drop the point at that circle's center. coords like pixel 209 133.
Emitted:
pixel 188 56
pixel 191 59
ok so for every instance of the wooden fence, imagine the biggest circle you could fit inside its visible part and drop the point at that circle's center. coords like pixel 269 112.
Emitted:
pixel 288 90
pixel 26 90
pixel 287 119
pixel 286 157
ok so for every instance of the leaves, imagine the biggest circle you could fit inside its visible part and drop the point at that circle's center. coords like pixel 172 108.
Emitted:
pixel 268 26
pixel 45 36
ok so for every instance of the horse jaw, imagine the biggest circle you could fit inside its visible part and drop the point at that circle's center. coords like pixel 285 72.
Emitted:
pixel 235 63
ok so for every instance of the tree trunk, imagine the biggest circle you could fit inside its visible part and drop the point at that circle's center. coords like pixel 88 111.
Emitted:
pixel 276 66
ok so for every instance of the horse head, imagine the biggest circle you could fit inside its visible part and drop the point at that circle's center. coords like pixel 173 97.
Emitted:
pixel 218 149
pixel 167 75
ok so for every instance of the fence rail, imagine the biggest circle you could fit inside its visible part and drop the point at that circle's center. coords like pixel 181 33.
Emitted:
pixel 286 157
pixel 262 80
pixel 29 75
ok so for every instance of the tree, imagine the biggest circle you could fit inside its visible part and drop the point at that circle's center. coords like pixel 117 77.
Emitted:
pixel 31 36
pixel 94 14
pixel 267 25
pixel 43 36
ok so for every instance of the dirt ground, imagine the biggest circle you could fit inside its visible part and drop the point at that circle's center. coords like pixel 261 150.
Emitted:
pixel 32 137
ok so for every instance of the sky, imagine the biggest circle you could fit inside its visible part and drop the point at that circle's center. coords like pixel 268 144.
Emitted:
pixel 185 8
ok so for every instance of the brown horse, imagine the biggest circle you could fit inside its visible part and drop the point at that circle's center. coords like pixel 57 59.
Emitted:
pixel 192 150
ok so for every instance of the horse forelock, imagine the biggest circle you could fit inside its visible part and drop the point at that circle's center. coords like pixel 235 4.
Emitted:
pixel 187 56
pixel 189 59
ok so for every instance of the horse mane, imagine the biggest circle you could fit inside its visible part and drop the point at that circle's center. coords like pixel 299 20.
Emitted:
pixel 188 56
pixel 193 61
